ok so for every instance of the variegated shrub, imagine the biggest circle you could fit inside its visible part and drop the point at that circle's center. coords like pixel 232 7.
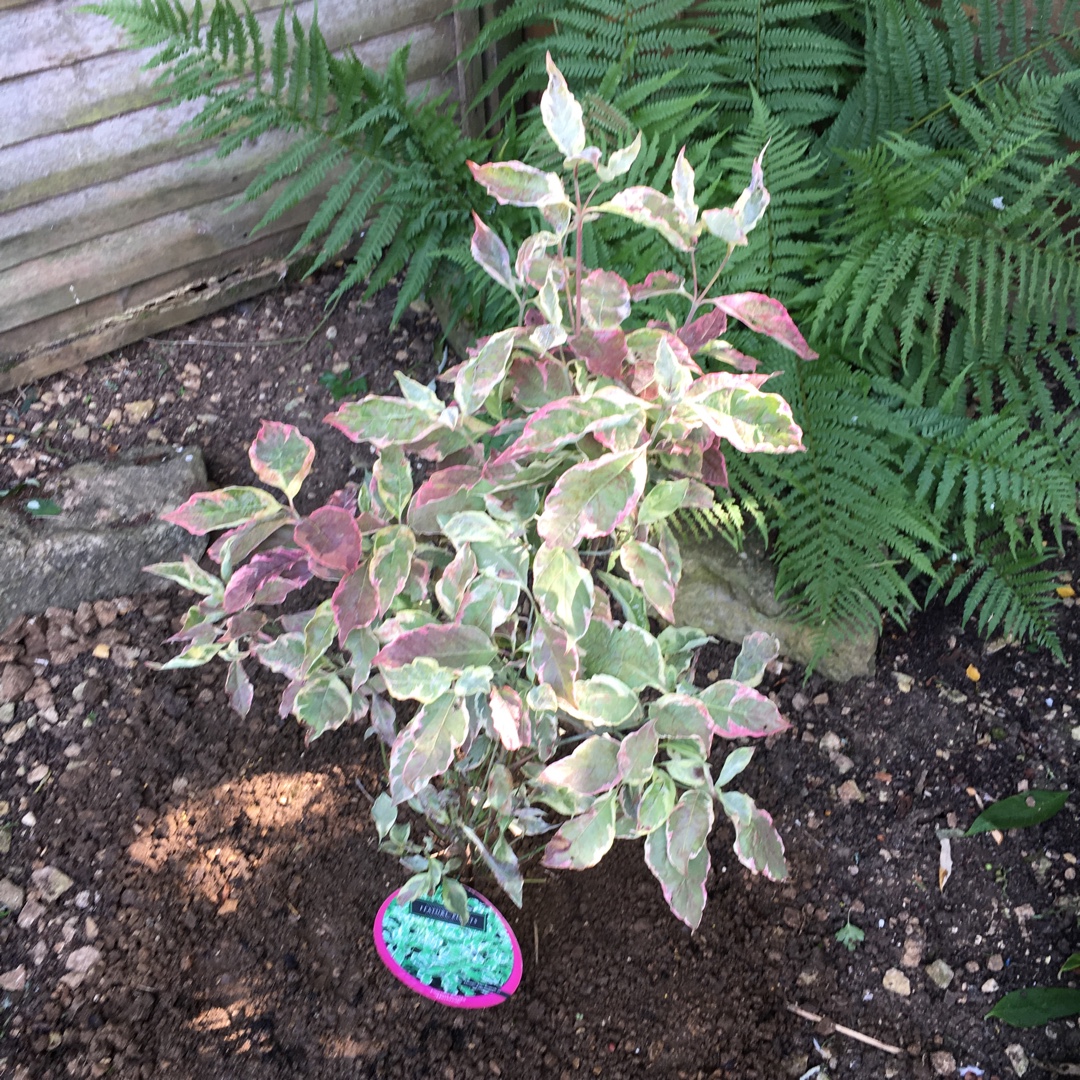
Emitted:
pixel 494 625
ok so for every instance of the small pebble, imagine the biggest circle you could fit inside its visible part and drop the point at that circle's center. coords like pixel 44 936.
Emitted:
pixel 14 980
pixel 940 974
pixel 896 982
pixel 29 820
pixel 37 774
pixel 944 1064
pixel 990 986
pixel 996 962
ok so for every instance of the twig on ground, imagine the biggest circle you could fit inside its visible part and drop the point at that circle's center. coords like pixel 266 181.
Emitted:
pixel 370 797
pixel 869 1040
pixel 536 943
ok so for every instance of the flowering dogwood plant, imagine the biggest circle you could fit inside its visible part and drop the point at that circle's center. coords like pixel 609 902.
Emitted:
pixel 505 627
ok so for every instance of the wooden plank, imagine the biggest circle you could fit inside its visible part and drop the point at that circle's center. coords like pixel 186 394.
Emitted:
pixel 84 272
pixel 43 36
pixel 186 293
pixel 66 98
pixel 70 161
pixel 469 75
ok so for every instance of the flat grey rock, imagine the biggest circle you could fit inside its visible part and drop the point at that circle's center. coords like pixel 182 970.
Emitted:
pixel 730 594
pixel 108 530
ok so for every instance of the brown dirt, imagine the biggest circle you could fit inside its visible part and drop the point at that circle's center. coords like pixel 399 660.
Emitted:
pixel 228 876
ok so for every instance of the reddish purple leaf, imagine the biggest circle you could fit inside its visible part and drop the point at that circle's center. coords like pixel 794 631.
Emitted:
pixel 604 351
pixel 332 539
pixel 444 492
pixel 533 383
pixel 605 300
pixel 267 579
pixel 658 283
pixel 714 465
pixel 490 252
pixel 355 603
pixel 766 316
pixel 239 689
pixel 703 329
pixel 453 646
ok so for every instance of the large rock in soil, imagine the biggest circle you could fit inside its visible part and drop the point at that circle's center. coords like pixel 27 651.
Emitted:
pixel 108 531
pixel 730 594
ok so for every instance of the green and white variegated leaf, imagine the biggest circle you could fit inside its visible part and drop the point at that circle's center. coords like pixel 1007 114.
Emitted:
pixel 605 300
pixel 503 864
pixel 509 718
pixel 490 252
pixel 584 840
pixel 737 710
pixel 657 802
pixel 680 716
pixel 425 748
pixel 649 571
pixel 682 187
pixel 531 262
pixel 604 703
pixel 283 655
pixel 593 498
pixel 450 589
pixel 281 457
pixel 473 527
pixel 323 703
pixel 384 814
pixel 757 843
pixel 592 768
pixel 620 162
pixel 393 480
pixel 482 373
pixel 628 652
pixel 688 827
pixel 319 633
pixel 649 207
pixel 629 599
pixel 548 337
pixel 455 899
pixel 474 683
pixel 454 646
pixel 424 680
pixel 548 299
pixel 512 183
pixel 637 752
pixel 662 501
pixel 361 644
pixel 673 377
pixel 563 588
pixel 734 764
pixel 193 656
pixel 209 511
pixel 752 420
pixel 684 892
pixel 391 561
pixel 507 561
pixel 561 113
pixel 190 575
pixel 731 224
pixel 489 603
pixel 386 421
pixel 238 688
pixel 758 651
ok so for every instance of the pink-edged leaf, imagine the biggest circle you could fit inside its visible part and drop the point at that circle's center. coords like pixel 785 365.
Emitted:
pixel 658 283
pixel 425 749
pixel 757 843
pixel 737 710
pixel 584 840
pixel 649 207
pixel 593 498
pixel 563 589
pixel 605 300
pixel 591 769
pixel 764 315
pixel 680 716
pixel 483 371
pixel 238 688
pixel 283 655
pixel 752 420
pixel 644 347
pixel 490 252
pixel 281 456
pixel 604 351
pixel 237 544
pixel 685 893
pixel 208 511
pixel 393 480
pixel 445 492
pixel 637 753
pixel 688 827
pixel 513 184
pixel 533 383
pixel 267 579
pixel 355 602
pixel 455 580
pixel 553 658
pixel 758 650
pixel 384 421
pixel 508 717
pixel 682 187
pixel 649 571
pixel 454 647
pixel 703 329
pixel 561 113
pixel 331 538
pixel 532 262
pixel 722 351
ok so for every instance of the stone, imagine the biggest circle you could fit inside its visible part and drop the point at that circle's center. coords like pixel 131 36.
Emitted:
pixel 943 1063
pixel 848 792
pixel 990 986
pixel 913 951
pixel 941 975
pixel 82 960
pixel 1018 1058
pixel 51 883
pixel 731 594
pixel 31 912
pixel 11 897
pixel 14 733
pixel 109 528
pixel 15 680
pixel 14 980
pixel 896 982
pixel 996 962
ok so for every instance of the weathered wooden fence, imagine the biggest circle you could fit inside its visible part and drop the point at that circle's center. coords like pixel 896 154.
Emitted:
pixel 112 227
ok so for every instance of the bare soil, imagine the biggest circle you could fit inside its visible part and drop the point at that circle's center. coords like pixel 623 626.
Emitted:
pixel 224 878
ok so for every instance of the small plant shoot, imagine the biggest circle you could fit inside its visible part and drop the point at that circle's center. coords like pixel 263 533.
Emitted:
pixel 505 625
pixel 850 936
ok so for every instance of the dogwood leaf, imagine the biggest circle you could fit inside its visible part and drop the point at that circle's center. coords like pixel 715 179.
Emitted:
pixel 684 892
pixel 757 843
pixel 561 113
pixel 591 769
pixel 281 456
pixel 584 840
pixel 208 511
pixel 490 253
